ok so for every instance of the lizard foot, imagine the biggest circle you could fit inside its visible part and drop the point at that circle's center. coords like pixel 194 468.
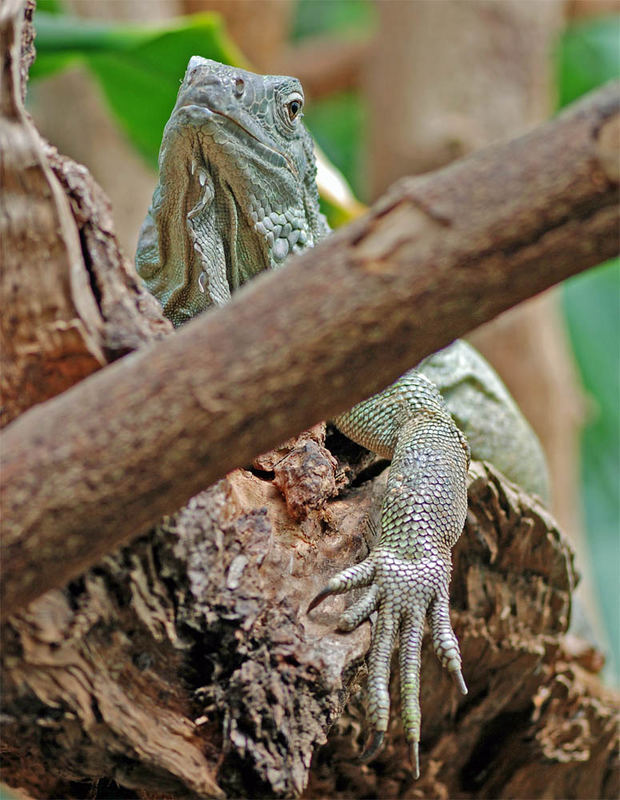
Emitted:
pixel 404 592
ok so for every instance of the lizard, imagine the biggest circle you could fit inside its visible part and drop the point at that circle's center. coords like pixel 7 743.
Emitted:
pixel 237 195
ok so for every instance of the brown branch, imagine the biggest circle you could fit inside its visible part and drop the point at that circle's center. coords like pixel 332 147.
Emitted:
pixel 437 256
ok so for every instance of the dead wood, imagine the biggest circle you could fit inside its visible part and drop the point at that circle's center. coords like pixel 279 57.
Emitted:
pixel 50 327
pixel 187 662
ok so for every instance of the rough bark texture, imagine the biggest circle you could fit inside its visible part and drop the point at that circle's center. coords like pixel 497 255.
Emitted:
pixel 75 300
pixel 338 324
pixel 53 339
pixel 188 659
pixel 185 665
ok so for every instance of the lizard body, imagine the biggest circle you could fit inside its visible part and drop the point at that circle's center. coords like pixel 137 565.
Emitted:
pixel 236 195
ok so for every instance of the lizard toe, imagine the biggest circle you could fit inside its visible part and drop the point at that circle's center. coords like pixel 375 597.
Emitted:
pixel 379 662
pixel 410 646
pixel 360 575
pixel 444 639
pixel 360 611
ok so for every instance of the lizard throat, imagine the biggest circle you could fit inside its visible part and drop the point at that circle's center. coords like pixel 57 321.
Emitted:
pixel 227 250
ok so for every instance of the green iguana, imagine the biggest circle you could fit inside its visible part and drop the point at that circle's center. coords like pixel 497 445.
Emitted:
pixel 237 195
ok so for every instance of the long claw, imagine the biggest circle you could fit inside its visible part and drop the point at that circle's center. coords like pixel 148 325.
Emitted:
pixel 325 592
pixel 373 747
pixel 444 640
pixel 457 677
pixel 414 755
pixel 361 574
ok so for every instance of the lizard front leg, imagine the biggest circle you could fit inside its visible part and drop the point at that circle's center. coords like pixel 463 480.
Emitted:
pixel 408 571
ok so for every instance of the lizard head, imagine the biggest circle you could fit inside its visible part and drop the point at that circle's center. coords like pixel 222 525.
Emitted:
pixel 236 191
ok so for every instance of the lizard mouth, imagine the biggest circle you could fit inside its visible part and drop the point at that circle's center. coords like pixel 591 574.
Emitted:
pixel 241 131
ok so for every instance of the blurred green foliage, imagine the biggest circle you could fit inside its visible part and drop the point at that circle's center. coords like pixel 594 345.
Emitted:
pixel 591 304
pixel 139 68
pixel 338 123
pixel 588 55
pixel 346 17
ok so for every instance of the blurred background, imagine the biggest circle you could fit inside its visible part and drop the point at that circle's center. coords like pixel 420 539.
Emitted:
pixel 393 87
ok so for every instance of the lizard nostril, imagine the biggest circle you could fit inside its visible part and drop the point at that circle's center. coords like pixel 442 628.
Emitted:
pixel 239 86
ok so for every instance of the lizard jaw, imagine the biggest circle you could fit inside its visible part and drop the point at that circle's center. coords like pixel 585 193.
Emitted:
pixel 200 114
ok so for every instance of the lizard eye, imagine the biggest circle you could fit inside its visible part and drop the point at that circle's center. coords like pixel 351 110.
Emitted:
pixel 294 107
pixel 239 86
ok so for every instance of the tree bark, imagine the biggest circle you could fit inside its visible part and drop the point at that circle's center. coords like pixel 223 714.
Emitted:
pixel 184 665
pixel 75 301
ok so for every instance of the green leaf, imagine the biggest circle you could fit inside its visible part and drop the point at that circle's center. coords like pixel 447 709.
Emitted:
pixel 63 39
pixel 139 67
pixel 588 55
pixel 50 6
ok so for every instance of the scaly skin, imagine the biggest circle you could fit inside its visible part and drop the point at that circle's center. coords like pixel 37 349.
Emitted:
pixel 237 188
pixel 236 194
pixel 422 517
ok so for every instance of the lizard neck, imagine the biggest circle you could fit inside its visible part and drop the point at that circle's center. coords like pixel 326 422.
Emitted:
pixel 222 231
pixel 198 242
pixel 211 238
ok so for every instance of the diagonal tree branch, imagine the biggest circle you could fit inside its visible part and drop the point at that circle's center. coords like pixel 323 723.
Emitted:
pixel 437 256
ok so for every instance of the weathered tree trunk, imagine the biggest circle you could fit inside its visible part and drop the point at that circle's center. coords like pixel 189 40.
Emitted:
pixel 185 664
